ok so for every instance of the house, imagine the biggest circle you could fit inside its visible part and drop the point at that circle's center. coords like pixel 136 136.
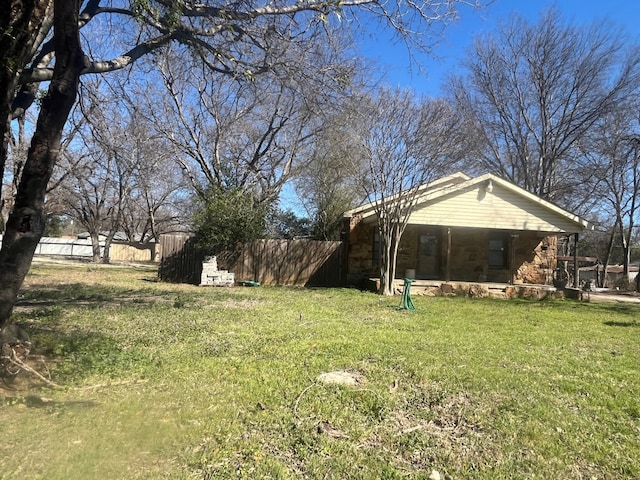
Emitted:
pixel 463 229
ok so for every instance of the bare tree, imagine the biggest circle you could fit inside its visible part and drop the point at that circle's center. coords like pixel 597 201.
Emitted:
pixel 95 182
pixel 612 155
pixel 404 144
pixel 157 195
pixel 25 224
pixel 246 39
pixel 90 195
pixel 116 175
pixel 326 190
pixel 158 202
pixel 323 182
pixel 234 134
pixel 18 146
pixel 533 91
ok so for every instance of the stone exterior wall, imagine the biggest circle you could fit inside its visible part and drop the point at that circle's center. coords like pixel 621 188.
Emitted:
pixel 470 257
pixel 360 264
pixel 534 258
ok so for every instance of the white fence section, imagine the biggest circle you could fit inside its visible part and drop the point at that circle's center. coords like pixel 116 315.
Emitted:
pixel 65 247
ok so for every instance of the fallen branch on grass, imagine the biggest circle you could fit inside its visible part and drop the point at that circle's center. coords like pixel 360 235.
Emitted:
pixel 14 360
pixel 295 405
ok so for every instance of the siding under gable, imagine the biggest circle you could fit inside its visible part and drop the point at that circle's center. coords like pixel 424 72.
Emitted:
pixel 500 209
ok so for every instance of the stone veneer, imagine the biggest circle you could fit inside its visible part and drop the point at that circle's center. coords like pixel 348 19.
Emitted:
pixel 534 257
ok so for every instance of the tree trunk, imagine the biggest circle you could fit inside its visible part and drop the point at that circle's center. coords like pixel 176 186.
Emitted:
pixel 106 256
pixel 20 21
pixel 390 246
pixel 26 222
pixel 626 249
pixel 607 256
pixel 385 264
pixel 95 246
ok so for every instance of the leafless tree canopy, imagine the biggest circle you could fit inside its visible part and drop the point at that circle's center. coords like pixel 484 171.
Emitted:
pixel 115 174
pixel 325 184
pixel 244 134
pixel 533 91
pixel 240 39
pixel 610 156
pixel 402 143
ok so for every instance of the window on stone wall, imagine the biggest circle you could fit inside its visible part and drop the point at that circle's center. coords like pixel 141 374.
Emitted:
pixel 497 251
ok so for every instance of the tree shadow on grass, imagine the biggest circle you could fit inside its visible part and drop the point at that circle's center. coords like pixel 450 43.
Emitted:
pixel 68 356
pixel 613 323
pixel 80 294
pixel 627 309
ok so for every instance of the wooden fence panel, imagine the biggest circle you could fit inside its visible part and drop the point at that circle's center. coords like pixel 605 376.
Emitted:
pixel 330 264
pixel 270 262
pixel 289 262
pixel 121 252
pixel 181 263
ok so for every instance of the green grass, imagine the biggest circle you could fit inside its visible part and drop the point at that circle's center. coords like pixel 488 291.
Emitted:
pixel 182 382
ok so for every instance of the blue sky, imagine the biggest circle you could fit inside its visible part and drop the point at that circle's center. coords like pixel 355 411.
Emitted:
pixel 459 36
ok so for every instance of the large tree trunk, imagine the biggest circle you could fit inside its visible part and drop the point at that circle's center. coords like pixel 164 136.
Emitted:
pixel 20 22
pixel 27 220
pixel 95 246
pixel 106 256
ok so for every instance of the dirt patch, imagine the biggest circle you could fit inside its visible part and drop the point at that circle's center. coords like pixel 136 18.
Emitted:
pixel 434 429
pixel 612 296
pixel 341 377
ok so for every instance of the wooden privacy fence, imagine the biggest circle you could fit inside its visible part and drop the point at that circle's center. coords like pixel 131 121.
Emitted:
pixel 123 252
pixel 180 260
pixel 287 262
pixel 270 262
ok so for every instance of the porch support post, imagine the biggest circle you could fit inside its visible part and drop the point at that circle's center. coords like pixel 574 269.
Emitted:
pixel 447 272
pixel 576 272
pixel 512 258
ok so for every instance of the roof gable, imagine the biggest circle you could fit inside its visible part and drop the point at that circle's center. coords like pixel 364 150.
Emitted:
pixel 368 209
pixel 489 202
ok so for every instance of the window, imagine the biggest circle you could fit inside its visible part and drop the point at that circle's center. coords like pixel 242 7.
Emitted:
pixel 497 251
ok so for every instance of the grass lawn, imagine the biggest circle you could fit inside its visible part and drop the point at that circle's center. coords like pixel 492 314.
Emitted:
pixel 183 382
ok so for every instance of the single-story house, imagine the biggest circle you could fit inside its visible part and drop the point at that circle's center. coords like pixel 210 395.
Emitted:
pixel 482 229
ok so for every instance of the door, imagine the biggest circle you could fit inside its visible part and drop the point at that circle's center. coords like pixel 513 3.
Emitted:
pixel 428 257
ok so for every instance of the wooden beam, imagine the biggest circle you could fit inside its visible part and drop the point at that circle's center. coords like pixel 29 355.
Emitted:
pixel 576 270
pixel 448 267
